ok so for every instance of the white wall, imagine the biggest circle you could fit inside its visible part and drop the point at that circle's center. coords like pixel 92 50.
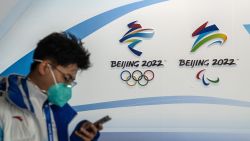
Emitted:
pixel 174 101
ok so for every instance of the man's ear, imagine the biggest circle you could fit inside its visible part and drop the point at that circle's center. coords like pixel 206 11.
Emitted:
pixel 43 68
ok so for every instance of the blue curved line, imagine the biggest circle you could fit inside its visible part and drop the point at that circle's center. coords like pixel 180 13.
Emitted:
pixel 132 45
pixel 203 80
pixel 21 66
pixel 215 42
pixel 200 37
pixel 206 31
pixel 247 27
pixel 143 35
pixel 162 100
pixel 82 30
pixel 209 29
pixel 91 25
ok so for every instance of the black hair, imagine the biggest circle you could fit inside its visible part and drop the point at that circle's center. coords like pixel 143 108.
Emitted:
pixel 62 49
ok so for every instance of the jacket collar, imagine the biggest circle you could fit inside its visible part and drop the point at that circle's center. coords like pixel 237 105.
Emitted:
pixel 18 94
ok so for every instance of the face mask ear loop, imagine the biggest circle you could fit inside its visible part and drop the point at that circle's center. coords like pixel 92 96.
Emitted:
pixel 38 60
pixel 53 75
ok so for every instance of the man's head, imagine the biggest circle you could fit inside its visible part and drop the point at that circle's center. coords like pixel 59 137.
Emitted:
pixel 60 54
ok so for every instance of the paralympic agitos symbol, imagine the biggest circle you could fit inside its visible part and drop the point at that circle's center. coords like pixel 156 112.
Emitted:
pixel 132 36
pixel 203 31
pixel 206 81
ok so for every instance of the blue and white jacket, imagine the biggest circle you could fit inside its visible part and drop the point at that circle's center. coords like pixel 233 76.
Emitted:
pixel 22 114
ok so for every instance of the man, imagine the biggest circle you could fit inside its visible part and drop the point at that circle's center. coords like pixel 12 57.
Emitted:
pixel 34 108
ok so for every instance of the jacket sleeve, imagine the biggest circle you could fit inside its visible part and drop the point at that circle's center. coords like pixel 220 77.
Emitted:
pixel 1 134
pixel 74 137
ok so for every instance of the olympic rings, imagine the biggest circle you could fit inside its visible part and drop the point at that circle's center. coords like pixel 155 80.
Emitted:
pixel 137 76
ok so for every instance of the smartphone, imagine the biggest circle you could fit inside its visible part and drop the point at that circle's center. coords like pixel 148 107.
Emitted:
pixel 103 120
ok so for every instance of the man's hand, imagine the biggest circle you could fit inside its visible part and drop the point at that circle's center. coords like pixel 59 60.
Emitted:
pixel 88 131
